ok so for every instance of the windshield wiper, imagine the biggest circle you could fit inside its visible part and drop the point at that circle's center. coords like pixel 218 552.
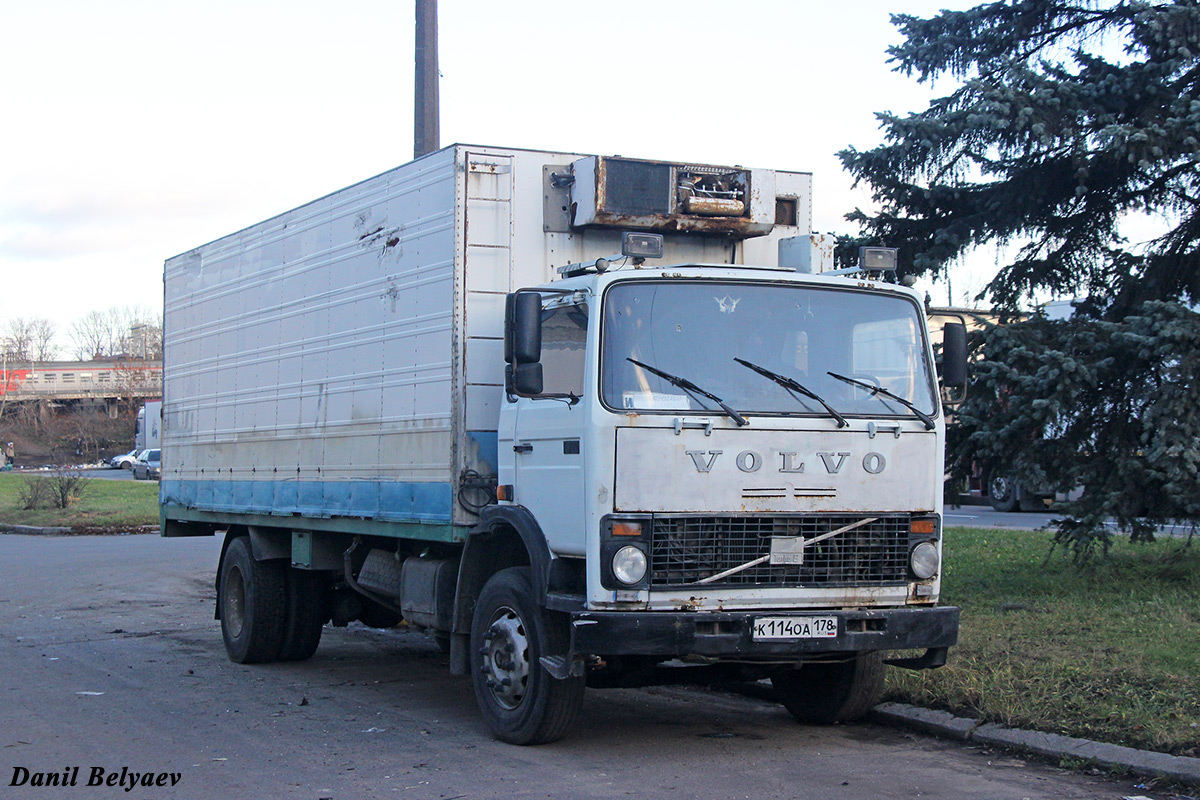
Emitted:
pixel 793 386
pixel 691 388
pixel 921 415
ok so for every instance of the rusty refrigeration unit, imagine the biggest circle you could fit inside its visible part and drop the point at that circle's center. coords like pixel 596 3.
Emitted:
pixel 659 195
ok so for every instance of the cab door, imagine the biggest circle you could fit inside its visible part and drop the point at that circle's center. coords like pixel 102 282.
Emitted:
pixel 548 433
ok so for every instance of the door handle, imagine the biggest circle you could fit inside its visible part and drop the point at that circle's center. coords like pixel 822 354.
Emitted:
pixel 522 448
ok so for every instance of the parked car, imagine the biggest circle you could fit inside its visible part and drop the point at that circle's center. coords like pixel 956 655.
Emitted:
pixel 148 466
pixel 124 461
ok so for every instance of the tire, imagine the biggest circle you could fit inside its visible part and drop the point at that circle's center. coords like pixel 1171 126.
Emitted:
pixel 1002 493
pixel 307 611
pixel 827 693
pixel 253 602
pixel 521 702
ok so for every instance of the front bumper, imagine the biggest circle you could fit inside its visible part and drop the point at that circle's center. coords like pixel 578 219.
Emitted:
pixel 725 635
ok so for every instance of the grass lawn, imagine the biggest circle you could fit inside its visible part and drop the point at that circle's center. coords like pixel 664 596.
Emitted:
pixel 104 504
pixel 1110 653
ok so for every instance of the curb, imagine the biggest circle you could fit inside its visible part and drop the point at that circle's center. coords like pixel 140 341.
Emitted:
pixel 33 530
pixel 940 723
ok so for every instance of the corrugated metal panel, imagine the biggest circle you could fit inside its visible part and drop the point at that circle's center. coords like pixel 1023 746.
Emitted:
pixel 315 347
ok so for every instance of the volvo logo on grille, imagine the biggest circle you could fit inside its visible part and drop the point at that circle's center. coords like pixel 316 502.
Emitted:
pixel 787 461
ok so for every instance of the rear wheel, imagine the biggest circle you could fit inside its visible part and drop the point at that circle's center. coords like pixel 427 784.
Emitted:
pixel 307 611
pixel 521 702
pixel 842 691
pixel 253 608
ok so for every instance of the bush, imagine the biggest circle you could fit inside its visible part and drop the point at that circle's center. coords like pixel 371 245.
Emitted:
pixel 67 486
pixel 61 490
pixel 34 492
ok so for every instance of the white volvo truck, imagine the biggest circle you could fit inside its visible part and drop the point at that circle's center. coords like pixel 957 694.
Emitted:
pixel 587 421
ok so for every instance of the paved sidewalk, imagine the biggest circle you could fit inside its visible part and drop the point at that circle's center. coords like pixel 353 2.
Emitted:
pixel 941 723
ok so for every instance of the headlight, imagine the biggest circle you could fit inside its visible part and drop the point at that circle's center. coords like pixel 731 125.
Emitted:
pixel 629 565
pixel 924 560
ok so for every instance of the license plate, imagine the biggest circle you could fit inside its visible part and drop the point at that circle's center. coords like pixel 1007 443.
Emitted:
pixel 795 628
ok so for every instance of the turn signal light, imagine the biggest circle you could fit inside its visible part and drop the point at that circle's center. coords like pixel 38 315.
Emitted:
pixel 923 526
pixel 626 528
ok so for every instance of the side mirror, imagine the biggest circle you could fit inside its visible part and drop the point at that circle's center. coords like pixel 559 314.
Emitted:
pixel 527 379
pixel 523 344
pixel 954 356
pixel 523 328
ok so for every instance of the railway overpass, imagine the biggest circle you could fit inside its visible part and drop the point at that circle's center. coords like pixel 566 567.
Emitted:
pixel 105 382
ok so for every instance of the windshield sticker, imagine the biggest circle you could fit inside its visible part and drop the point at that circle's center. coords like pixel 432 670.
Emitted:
pixel 655 400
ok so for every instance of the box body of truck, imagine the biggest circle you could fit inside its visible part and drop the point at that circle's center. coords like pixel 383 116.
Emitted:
pixel 147 434
pixel 349 394
pixel 345 359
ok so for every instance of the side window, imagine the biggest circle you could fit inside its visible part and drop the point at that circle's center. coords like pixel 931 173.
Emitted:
pixel 564 343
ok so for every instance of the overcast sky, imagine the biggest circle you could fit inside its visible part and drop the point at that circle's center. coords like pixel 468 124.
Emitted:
pixel 134 131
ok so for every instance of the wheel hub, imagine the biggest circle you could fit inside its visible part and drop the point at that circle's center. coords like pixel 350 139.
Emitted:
pixel 506 658
pixel 235 601
pixel 1000 488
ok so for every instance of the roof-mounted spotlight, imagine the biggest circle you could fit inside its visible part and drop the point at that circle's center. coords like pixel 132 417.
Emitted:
pixel 877 259
pixel 640 246
pixel 636 246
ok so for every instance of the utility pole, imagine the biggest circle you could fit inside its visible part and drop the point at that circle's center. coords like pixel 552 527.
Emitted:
pixel 425 95
pixel 4 388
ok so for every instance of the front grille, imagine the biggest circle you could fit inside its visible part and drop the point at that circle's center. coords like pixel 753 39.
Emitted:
pixel 688 549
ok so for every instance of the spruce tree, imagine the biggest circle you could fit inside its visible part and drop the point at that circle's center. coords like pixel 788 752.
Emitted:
pixel 1068 120
pixel 1070 117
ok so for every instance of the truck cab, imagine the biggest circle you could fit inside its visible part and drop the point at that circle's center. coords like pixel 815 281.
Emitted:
pixel 738 468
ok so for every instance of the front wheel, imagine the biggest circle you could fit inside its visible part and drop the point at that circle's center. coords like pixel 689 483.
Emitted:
pixel 1002 494
pixel 841 691
pixel 521 702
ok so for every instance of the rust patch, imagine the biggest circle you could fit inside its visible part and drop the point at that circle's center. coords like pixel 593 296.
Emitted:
pixel 691 604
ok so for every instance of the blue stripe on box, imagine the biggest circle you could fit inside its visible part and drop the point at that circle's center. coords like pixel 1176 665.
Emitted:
pixel 385 500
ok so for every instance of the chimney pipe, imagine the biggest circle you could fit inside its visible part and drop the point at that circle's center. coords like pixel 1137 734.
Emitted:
pixel 425 95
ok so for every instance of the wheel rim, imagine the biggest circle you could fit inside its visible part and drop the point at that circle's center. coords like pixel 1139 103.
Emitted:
pixel 234 612
pixel 506 658
pixel 999 488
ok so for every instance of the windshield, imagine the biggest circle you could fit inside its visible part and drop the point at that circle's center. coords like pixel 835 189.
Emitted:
pixel 696 330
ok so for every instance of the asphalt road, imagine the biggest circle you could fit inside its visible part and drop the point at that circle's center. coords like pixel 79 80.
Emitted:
pixel 112 660
pixel 106 474
pixel 988 517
